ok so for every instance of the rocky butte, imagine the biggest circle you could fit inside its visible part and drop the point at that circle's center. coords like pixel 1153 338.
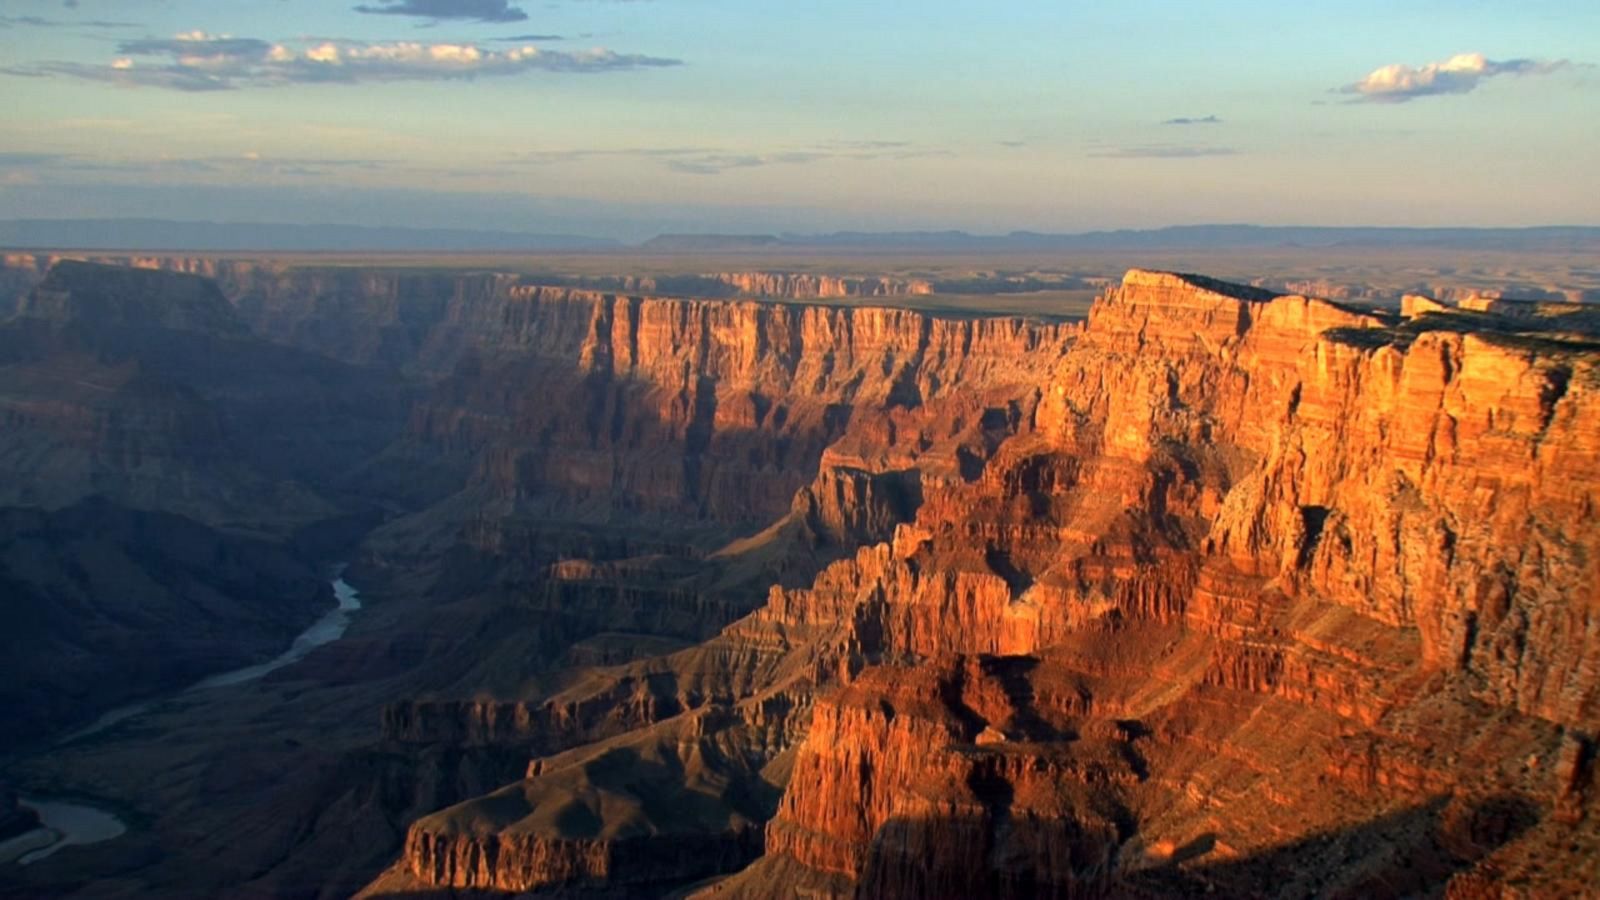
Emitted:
pixel 1220 591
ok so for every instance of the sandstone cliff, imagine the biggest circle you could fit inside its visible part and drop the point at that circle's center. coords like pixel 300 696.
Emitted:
pixel 1252 581
pixel 697 451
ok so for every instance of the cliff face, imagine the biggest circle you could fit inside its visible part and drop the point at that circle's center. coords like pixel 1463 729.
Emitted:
pixel 767 285
pixel 1243 582
pixel 578 404
pixel 704 419
pixel 146 388
pixel 696 451
pixel 708 410
pixel 107 297
pixel 421 321
pixel 1436 476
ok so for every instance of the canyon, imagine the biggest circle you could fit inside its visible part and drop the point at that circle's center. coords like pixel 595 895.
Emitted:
pixel 695 584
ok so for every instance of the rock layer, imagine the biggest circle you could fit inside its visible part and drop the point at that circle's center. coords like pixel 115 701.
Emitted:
pixel 1251 581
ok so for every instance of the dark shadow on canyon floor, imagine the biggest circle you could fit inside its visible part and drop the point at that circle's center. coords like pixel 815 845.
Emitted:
pixel 1410 852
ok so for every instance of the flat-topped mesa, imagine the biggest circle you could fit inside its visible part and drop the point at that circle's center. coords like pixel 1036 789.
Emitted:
pixel 1166 310
pixel 1180 360
pixel 1188 282
pixel 101 297
pixel 1172 312
pixel 1405 469
pixel 147 387
pixel 627 332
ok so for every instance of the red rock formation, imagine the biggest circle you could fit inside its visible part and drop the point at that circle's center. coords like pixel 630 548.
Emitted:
pixel 705 409
pixel 1254 582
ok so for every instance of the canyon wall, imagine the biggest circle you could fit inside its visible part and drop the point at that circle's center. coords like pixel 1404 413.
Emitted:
pixel 1222 591
pixel 147 388
pixel 168 483
pixel 423 320
pixel 708 409
pixel 1243 582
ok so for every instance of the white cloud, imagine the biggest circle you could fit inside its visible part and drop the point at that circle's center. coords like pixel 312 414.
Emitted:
pixel 197 61
pixel 1398 83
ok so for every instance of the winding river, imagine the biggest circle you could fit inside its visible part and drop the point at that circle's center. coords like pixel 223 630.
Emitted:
pixel 67 823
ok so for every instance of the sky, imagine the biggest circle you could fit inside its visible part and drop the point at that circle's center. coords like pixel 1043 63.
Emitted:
pixel 626 118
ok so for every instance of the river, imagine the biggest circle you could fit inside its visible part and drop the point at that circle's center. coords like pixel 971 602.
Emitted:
pixel 325 630
pixel 66 823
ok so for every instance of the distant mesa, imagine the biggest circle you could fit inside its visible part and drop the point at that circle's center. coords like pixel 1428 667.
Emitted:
pixel 677 243
pixel 116 297
pixel 202 237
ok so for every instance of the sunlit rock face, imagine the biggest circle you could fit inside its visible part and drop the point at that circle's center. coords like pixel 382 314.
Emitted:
pixel 1239 592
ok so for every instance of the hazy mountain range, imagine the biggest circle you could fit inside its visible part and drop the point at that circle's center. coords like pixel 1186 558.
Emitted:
pixel 160 234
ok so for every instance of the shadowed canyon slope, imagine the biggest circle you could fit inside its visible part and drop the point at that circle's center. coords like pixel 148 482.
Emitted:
pixel 148 388
pixel 1220 590
pixel 164 479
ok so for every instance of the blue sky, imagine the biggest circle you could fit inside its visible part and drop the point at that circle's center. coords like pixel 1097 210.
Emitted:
pixel 628 117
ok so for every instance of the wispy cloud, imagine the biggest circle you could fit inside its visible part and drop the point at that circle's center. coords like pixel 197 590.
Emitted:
pixel 41 22
pixel 439 10
pixel 240 164
pixel 558 157
pixel 528 38
pixel 872 145
pixel 715 160
pixel 1187 120
pixel 1460 74
pixel 1164 151
pixel 10 159
pixel 197 61
pixel 717 163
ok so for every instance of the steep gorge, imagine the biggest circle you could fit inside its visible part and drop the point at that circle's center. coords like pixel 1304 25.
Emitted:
pixel 524 539
pixel 1248 578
